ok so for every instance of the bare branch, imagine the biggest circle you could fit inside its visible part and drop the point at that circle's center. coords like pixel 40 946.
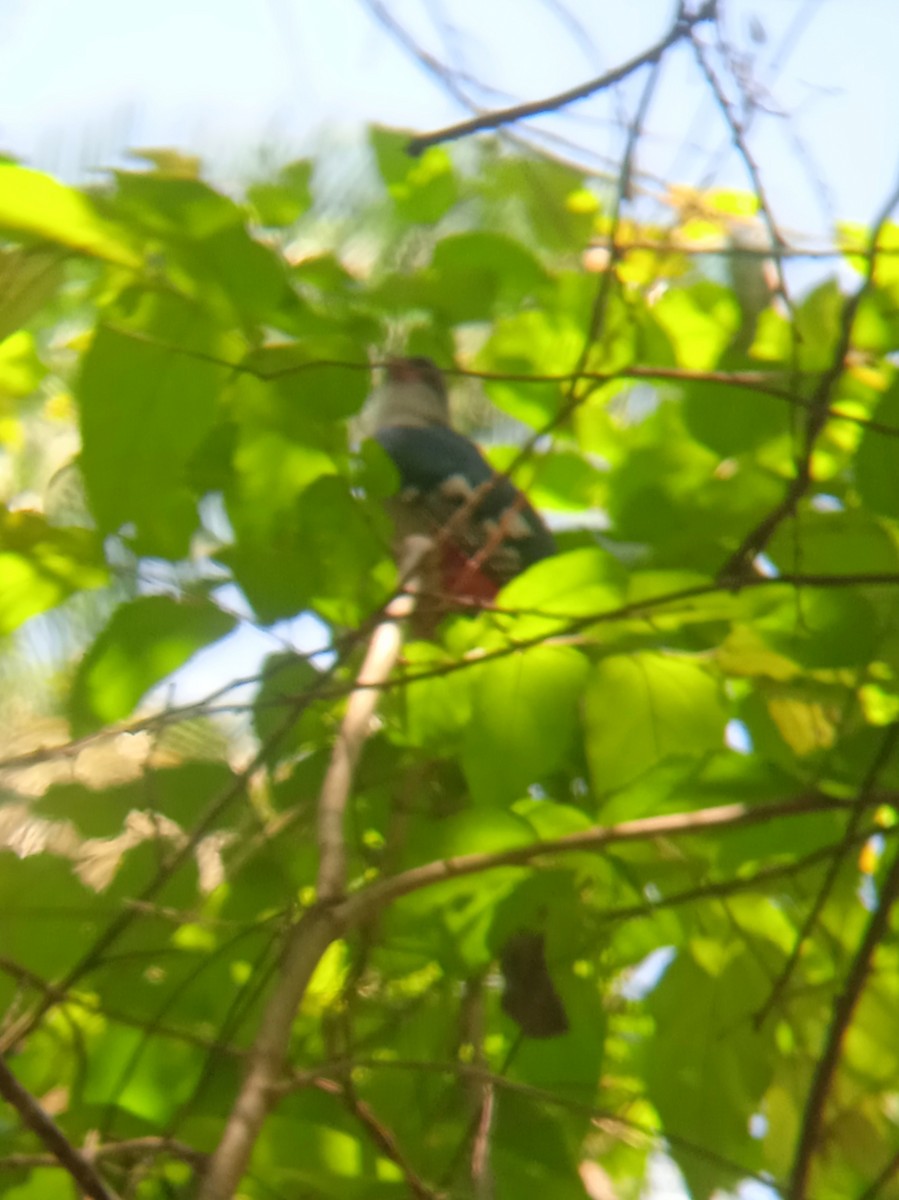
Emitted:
pixel 429 62
pixel 317 929
pixel 725 816
pixel 844 1009
pixel 480 1074
pixel 383 1137
pixel 519 112
pixel 123 921
pixel 379 660
pixel 307 942
pixel 724 888
pixel 42 1124
pixel 135 1148
pixel 320 925
pixel 819 408
pixel 877 1186
pixel 738 136
pixel 850 839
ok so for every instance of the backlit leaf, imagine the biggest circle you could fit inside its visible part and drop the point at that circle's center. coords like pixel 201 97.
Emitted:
pixel 144 641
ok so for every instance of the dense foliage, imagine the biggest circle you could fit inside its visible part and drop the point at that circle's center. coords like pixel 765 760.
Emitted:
pixel 655 786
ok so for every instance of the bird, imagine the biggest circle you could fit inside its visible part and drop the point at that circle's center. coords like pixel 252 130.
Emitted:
pixel 482 530
pixel 482 533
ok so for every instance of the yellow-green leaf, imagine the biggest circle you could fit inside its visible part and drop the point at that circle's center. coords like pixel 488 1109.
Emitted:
pixel 36 205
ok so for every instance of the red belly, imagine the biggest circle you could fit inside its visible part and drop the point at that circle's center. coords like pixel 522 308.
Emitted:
pixel 461 578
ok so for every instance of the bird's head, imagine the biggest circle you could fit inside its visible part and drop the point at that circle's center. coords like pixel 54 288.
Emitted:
pixel 413 393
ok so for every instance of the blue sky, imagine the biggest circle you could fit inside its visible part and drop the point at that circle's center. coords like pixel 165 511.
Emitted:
pixel 81 81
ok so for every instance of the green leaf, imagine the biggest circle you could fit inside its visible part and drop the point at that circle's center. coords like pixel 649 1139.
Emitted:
pixel 169 1073
pixel 645 708
pixel 558 479
pixel 215 399
pixel 700 320
pixel 466 906
pixel 236 278
pixel 284 201
pixel 324 378
pixel 271 471
pixel 875 461
pixel 40 565
pixel 38 206
pixel 817 628
pixel 432 712
pixel 532 1157
pixel 541 201
pixel 285 678
pixel 477 831
pixel 558 590
pixel 302 538
pixel 346 561
pixel 54 941
pixel 43 1184
pixel 20 368
pixel 732 420
pixel 30 276
pixel 792 722
pixel 531 342
pixel 534 403
pixel 875 329
pixel 523 721
pixel 472 275
pixel 205 247
pixel 173 205
pixel 709 1046
pixel 178 791
pixel 818 326
pixel 667 492
pixel 144 641
pixel 423 189
pixel 148 399
pixel 834 543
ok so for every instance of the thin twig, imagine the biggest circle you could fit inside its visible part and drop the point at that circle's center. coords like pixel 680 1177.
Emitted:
pixel 850 839
pixel 480 1074
pixel 725 816
pixel 763 380
pixel 311 936
pixel 140 1147
pixel 214 810
pixel 383 1137
pixel 325 690
pixel 739 138
pixel 573 399
pixel 447 77
pixel 877 1185
pixel 80 1001
pixel 722 889
pixel 123 921
pixel 716 249
pixel 571 624
pixel 43 1125
pixel 380 657
pixel 519 112
pixel 323 923
pixel 819 408
pixel 828 1060
pixel 306 943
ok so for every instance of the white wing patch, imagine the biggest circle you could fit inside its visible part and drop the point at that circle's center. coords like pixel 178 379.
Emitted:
pixel 456 487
